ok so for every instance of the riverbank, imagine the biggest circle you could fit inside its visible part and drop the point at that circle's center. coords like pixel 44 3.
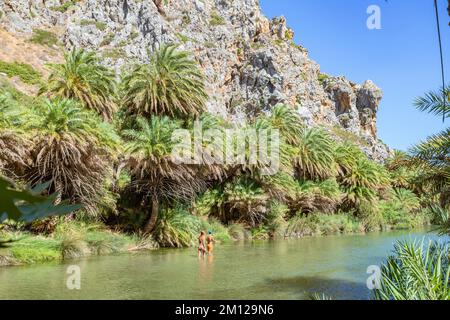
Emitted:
pixel 70 240
pixel 76 239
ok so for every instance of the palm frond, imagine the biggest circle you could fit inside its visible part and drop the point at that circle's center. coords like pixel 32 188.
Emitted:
pixel 171 84
pixel 314 156
pixel 415 272
pixel 433 102
pixel 83 78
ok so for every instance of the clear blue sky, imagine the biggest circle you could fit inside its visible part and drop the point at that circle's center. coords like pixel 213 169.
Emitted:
pixel 402 58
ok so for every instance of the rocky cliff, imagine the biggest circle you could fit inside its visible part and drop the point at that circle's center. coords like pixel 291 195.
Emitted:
pixel 251 63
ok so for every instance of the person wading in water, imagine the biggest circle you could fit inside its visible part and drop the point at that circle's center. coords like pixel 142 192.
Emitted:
pixel 210 242
pixel 201 244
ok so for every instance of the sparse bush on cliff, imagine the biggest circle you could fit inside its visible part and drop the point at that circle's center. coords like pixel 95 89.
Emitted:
pixel 24 71
pixel 44 37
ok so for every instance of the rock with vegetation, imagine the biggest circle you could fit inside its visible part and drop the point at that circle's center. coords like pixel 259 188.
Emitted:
pixel 251 63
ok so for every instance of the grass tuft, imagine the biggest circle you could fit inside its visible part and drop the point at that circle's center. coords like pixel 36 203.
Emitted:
pixel 44 37
pixel 216 19
pixel 24 71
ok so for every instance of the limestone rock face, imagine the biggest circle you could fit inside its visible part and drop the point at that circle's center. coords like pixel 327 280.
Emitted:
pixel 251 63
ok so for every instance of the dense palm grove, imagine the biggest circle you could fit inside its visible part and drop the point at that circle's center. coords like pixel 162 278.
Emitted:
pixel 106 143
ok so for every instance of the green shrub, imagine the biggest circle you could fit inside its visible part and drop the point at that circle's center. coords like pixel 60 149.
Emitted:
pixel 71 236
pixel 86 22
pixel 393 214
pixel 122 43
pixel 134 35
pixel 216 19
pixel 24 71
pixel 72 246
pixel 209 45
pixel 347 136
pixel 402 210
pixel 301 226
pixel 104 242
pixel 80 239
pixel 101 25
pixel 205 203
pixel 218 230
pixel 44 37
pixel 98 24
pixel 176 228
pixel 186 19
pixel 338 224
pixel 107 39
pixel 65 6
pixel 70 240
pixel 318 224
pixel 416 272
pixel 275 219
pixel 260 233
pixel 370 215
pixel 289 34
pixel 114 53
pixel 183 38
pixel 6 88
pixel 322 77
pixel 238 232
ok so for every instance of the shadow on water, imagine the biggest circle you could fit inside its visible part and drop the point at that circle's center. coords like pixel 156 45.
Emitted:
pixel 305 286
pixel 298 288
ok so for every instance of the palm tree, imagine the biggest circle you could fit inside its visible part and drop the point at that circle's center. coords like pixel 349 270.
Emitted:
pixel 171 84
pixel 433 102
pixel 433 155
pixel 72 148
pixel 176 228
pixel 441 219
pixel 210 152
pixel 288 121
pixel 346 156
pixel 242 200
pixel 361 179
pixel 435 151
pixel 14 144
pixel 83 78
pixel 281 186
pixel 407 199
pixel 322 196
pixel 401 172
pixel 154 173
pixel 314 158
pixel 416 272
pixel 363 182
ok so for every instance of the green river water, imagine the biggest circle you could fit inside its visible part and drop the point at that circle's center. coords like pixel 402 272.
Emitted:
pixel 284 269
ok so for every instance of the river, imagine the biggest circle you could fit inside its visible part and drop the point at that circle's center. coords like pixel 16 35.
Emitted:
pixel 284 269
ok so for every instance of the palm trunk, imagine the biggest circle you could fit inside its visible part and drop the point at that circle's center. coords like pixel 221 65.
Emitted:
pixel 150 226
pixel 58 189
